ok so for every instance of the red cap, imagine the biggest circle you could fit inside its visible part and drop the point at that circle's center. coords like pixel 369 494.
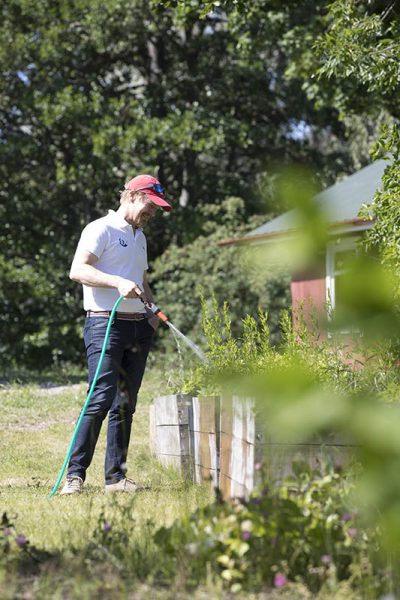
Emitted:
pixel 142 183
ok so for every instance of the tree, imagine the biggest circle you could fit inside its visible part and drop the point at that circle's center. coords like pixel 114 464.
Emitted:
pixel 356 58
pixel 98 91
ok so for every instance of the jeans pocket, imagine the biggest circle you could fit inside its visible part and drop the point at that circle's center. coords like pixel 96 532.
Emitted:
pixel 103 322
pixel 95 330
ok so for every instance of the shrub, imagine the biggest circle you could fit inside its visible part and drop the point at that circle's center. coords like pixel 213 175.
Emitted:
pixel 251 352
pixel 302 531
pixel 182 274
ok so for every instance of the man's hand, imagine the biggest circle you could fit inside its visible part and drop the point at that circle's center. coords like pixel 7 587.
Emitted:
pixel 130 289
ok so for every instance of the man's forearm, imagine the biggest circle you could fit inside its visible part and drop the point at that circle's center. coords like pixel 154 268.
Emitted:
pixel 89 275
pixel 147 290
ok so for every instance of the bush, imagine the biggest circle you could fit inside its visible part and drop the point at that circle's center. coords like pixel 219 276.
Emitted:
pixel 203 268
pixel 251 352
pixel 302 531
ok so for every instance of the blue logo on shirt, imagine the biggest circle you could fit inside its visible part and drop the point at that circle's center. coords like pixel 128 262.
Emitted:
pixel 123 242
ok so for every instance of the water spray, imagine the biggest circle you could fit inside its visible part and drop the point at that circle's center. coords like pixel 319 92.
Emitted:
pixel 158 313
pixel 154 309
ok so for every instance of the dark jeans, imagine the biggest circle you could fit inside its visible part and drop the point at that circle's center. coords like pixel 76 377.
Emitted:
pixel 115 392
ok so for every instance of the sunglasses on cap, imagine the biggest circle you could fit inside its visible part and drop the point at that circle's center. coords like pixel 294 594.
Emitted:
pixel 156 187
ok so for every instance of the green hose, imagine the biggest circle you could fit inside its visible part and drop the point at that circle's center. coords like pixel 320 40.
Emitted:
pixel 96 375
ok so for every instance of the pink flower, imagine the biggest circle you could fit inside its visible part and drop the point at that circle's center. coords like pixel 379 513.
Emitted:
pixel 352 531
pixel 280 580
pixel 326 559
pixel 258 466
pixel 106 526
pixel 246 535
pixel 7 531
pixel 21 540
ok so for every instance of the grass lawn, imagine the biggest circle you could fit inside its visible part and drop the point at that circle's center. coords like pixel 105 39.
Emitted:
pixel 36 424
pixel 96 545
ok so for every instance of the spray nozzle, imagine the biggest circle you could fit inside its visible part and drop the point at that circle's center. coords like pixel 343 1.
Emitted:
pixel 155 310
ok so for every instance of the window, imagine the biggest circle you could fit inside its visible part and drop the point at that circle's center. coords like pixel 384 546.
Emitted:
pixel 339 254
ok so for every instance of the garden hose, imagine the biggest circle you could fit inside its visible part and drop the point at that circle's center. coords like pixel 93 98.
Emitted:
pixel 96 375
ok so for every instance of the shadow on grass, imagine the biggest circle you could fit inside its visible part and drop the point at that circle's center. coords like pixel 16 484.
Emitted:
pixel 48 378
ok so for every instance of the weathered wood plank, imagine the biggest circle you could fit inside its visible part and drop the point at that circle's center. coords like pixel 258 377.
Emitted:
pixel 237 446
pixel 152 430
pixel 204 439
pixel 170 432
pixel 172 439
pixel 237 473
pixel 246 441
pixel 172 410
pixel 225 446
pixel 278 458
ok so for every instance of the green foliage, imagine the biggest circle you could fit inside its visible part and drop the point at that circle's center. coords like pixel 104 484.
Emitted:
pixel 95 92
pixel 351 64
pixel 305 390
pixel 115 540
pixel 301 531
pixel 384 237
pixel 228 355
pixel 347 58
pixel 351 29
pixel 360 47
pixel 181 276
pixel 16 552
pixel 35 332
pixel 305 530
pixel 336 361
pixel 308 387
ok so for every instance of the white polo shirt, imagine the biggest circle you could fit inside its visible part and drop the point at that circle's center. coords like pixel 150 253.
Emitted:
pixel 122 251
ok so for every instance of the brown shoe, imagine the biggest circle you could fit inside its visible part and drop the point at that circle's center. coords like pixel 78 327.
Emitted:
pixel 124 485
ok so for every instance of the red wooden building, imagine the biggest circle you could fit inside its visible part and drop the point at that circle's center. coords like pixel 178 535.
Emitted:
pixel 319 288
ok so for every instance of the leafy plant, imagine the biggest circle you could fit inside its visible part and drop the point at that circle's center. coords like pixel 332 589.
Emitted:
pixel 228 355
pixel 301 531
pixel 15 549
pixel 185 277
pixel 347 365
pixel 384 237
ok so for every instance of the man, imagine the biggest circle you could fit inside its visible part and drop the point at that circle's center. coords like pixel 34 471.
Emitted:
pixel 110 261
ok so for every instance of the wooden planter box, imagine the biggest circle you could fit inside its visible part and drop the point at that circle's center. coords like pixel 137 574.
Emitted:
pixel 224 442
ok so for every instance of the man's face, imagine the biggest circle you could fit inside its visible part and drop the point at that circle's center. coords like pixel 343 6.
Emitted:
pixel 140 212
